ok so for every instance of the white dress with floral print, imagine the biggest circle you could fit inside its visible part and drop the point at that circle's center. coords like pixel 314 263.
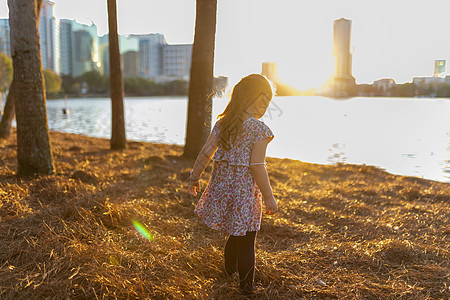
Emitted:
pixel 232 202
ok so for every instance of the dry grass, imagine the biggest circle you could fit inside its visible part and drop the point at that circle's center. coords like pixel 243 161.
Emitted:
pixel 343 232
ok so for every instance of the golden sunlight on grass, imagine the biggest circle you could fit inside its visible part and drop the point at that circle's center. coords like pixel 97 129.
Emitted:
pixel 343 232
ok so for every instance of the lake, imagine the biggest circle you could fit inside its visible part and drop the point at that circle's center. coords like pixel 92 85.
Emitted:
pixel 407 136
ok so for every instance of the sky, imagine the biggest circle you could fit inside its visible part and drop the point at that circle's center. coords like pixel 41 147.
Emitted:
pixel 397 39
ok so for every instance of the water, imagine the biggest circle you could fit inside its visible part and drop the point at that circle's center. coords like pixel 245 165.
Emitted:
pixel 404 136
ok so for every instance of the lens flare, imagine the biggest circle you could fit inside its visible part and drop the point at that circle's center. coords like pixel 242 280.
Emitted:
pixel 142 230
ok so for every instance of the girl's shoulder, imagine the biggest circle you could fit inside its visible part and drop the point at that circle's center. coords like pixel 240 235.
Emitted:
pixel 256 123
pixel 260 130
pixel 252 124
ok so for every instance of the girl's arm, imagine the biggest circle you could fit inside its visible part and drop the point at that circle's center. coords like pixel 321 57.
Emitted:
pixel 260 175
pixel 205 155
pixel 201 162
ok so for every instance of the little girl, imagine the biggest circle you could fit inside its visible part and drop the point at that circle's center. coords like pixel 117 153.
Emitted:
pixel 232 200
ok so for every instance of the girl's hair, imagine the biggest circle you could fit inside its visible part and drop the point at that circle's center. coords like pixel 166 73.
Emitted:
pixel 243 96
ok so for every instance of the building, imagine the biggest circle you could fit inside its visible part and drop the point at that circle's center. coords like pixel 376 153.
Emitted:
pixel 5 47
pixel 127 45
pixel 79 48
pixel 270 70
pixel 71 48
pixel 343 80
pixel 66 47
pixel 439 68
pixel 85 49
pixel 177 62
pixel 160 61
pixel 384 86
pixel 150 55
pixel 49 37
pixel 130 66
pixel 427 81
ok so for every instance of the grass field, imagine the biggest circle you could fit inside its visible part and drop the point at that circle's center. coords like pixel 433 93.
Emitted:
pixel 343 232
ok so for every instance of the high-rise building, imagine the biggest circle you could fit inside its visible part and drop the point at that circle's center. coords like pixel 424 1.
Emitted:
pixel 150 55
pixel 4 37
pixel 343 78
pixel 79 48
pixel 126 44
pixel 49 37
pixel 130 65
pixel 66 47
pixel 177 61
pixel 103 49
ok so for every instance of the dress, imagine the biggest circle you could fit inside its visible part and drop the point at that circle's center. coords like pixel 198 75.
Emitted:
pixel 232 201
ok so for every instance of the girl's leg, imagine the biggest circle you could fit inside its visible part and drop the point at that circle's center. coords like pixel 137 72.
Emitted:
pixel 246 260
pixel 231 255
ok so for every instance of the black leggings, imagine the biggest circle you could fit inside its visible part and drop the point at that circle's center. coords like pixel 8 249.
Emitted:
pixel 240 256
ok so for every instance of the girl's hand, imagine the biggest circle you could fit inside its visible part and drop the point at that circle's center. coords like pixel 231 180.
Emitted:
pixel 271 205
pixel 194 187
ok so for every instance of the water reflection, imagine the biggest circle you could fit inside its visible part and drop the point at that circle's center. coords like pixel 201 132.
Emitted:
pixel 403 136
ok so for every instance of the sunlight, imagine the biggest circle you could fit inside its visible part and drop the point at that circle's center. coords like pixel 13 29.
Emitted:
pixel 311 75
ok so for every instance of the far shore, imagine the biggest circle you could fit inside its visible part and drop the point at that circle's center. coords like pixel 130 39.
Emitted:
pixel 87 96
pixel 343 231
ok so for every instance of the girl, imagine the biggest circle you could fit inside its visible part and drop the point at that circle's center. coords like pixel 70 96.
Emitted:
pixel 232 200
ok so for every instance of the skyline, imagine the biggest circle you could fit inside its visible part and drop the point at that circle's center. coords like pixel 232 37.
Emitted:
pixel 397 40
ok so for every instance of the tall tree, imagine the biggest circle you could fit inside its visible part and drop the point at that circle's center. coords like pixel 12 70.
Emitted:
pixel 118 138
pixel 201 78
pixel 8 113
pixel 34 153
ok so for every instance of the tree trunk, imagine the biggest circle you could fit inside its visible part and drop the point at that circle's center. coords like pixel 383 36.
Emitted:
pixel 34 153
pixel 118 138
pixel 201 79
pixel 9 112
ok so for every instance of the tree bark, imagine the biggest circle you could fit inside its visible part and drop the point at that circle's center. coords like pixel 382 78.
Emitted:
pixel 34 153
pixel 201 78
pixel 9 111
pixel 118 138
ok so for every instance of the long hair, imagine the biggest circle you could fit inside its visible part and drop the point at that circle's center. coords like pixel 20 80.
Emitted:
pixel 243 96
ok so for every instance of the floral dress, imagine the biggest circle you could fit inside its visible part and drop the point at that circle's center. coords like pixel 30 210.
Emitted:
pixel 232 202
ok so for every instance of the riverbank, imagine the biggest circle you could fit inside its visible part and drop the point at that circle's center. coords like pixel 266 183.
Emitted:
pixel 343 231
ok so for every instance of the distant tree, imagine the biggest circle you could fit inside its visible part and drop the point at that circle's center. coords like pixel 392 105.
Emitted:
pixel 6 72
pixel 137 86
pixel 201 78
pixel 443 91
pixel 34 153
pixel 97 83
pixel 5 76
pixel 404 90
pixel 176 87
pixel 67 84
pixel 52 82
pixel 9 110
pixel 118 138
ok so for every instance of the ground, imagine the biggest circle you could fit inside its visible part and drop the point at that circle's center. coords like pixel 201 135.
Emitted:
pixel 343 231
